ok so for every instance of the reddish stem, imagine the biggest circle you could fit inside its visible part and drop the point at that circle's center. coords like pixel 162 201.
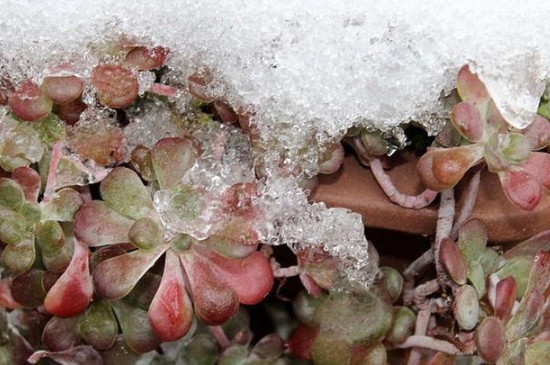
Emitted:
pixel 164 90
pixel 445 217
pixel 419 201
pixel 422 320
pixel 219 335
pixel 468 206
pixel 428 342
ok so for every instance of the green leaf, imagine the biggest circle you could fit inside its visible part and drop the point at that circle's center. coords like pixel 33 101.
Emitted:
pixel 201 350
pixel 136 329
pixel 11 194
pixel 98 326
pixel 537 353
pixel 124 192
pixel 19 257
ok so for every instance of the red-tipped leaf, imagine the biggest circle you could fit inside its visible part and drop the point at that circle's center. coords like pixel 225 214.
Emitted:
pixel 98 225
pixel 63 89
pixel 538 165
pixel 469 86
pixel 29 103
pixel 467 120
pixel 29 180
pixel 73 291
pixel 145 59
pixel 521 188
pixel 116 86
pixel 171 311
pixel 452 259
pixel 505 297
pixel 490 339
pixel 251 278
pixel 215 302
pixel 114 278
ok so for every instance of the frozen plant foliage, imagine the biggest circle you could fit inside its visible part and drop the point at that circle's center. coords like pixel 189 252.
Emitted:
pixel 290 219
pixel 331 63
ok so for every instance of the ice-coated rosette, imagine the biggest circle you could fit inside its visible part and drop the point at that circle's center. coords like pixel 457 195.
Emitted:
pixel 208 278
pixel 486 136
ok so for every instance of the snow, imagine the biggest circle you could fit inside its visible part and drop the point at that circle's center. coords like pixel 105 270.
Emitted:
pixel 309 70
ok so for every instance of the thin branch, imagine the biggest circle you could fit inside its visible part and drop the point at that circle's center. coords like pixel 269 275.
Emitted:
pixel 422 321
pixel 286 272
pixel 422 291
pixel 445 217
pixel 428 342
pixel 469 203
pixel 219 335
pixel 413 270
pixel 419 201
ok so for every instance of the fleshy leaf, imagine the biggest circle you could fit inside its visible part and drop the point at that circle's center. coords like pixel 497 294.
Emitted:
pixel 452 259
pixel 215 302
pixel 201 350
pixel 505 297
pixel 490 340
pixel 440 169
pixel 98 326
pixel 73 291
pixel 143 293
pixel 11 194
pixel 402 326
pixel 20 256
pixel 171 158
pixel 466 307
pixel 63 89
pixel 74 356
pixel 538 133
pixel 519 268
pixel 251 278
pixel 521 188
pixel 60 334
pixel 470 87
pixel 29 103
pixel 145 234
pixel 14 228
pixel 359 319
pixel 171 311
pixel 28 288
pixel 116 86
pixel 124 192
pixel 268 348
pixel 530 247
pixel 63 205
pixel 136 328
pixel 146 59
pixel 538 165
pixel 29 180
pixel 141 162
pixel 300 341
pixel 515 148
pixel 227 247
pixel 115 277
pixel 467 120
pixel 6 298
pixel 537 353
pixel 98 225
pixel 20 145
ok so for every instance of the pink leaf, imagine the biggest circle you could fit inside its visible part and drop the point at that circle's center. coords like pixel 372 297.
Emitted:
pixel 63 89
pixel 467 120
pixel 490 339
pixel 225 112
pixel 60 334
pixel 538 165
pixel 29 103
pixel 98 225
pixel 73 291
pixel 29 180
pixel 171 158
pixel 538 133
pixel 452 259
pixel 251 278
pixel 171 312
pixel 116 86
pixel 521 188
pixel 145 59
pixel 505 297
pixel 215 302
pixel 114 278
pixel 70 112
pixel 440 169
pixel 469 86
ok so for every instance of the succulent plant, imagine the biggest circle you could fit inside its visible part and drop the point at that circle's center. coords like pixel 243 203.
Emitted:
pixel 487 137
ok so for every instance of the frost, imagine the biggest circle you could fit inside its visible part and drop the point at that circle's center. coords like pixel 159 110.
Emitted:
pixel 308 72
pixel 290 219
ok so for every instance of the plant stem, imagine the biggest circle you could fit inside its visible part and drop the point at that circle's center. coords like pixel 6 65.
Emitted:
pixel 415 268
pixel 219 335
pixel 286 272
pixel 422 320
pixel 419 201
pixel 428 343
pixel 424 290
pixel 469 203
pixel 445 217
